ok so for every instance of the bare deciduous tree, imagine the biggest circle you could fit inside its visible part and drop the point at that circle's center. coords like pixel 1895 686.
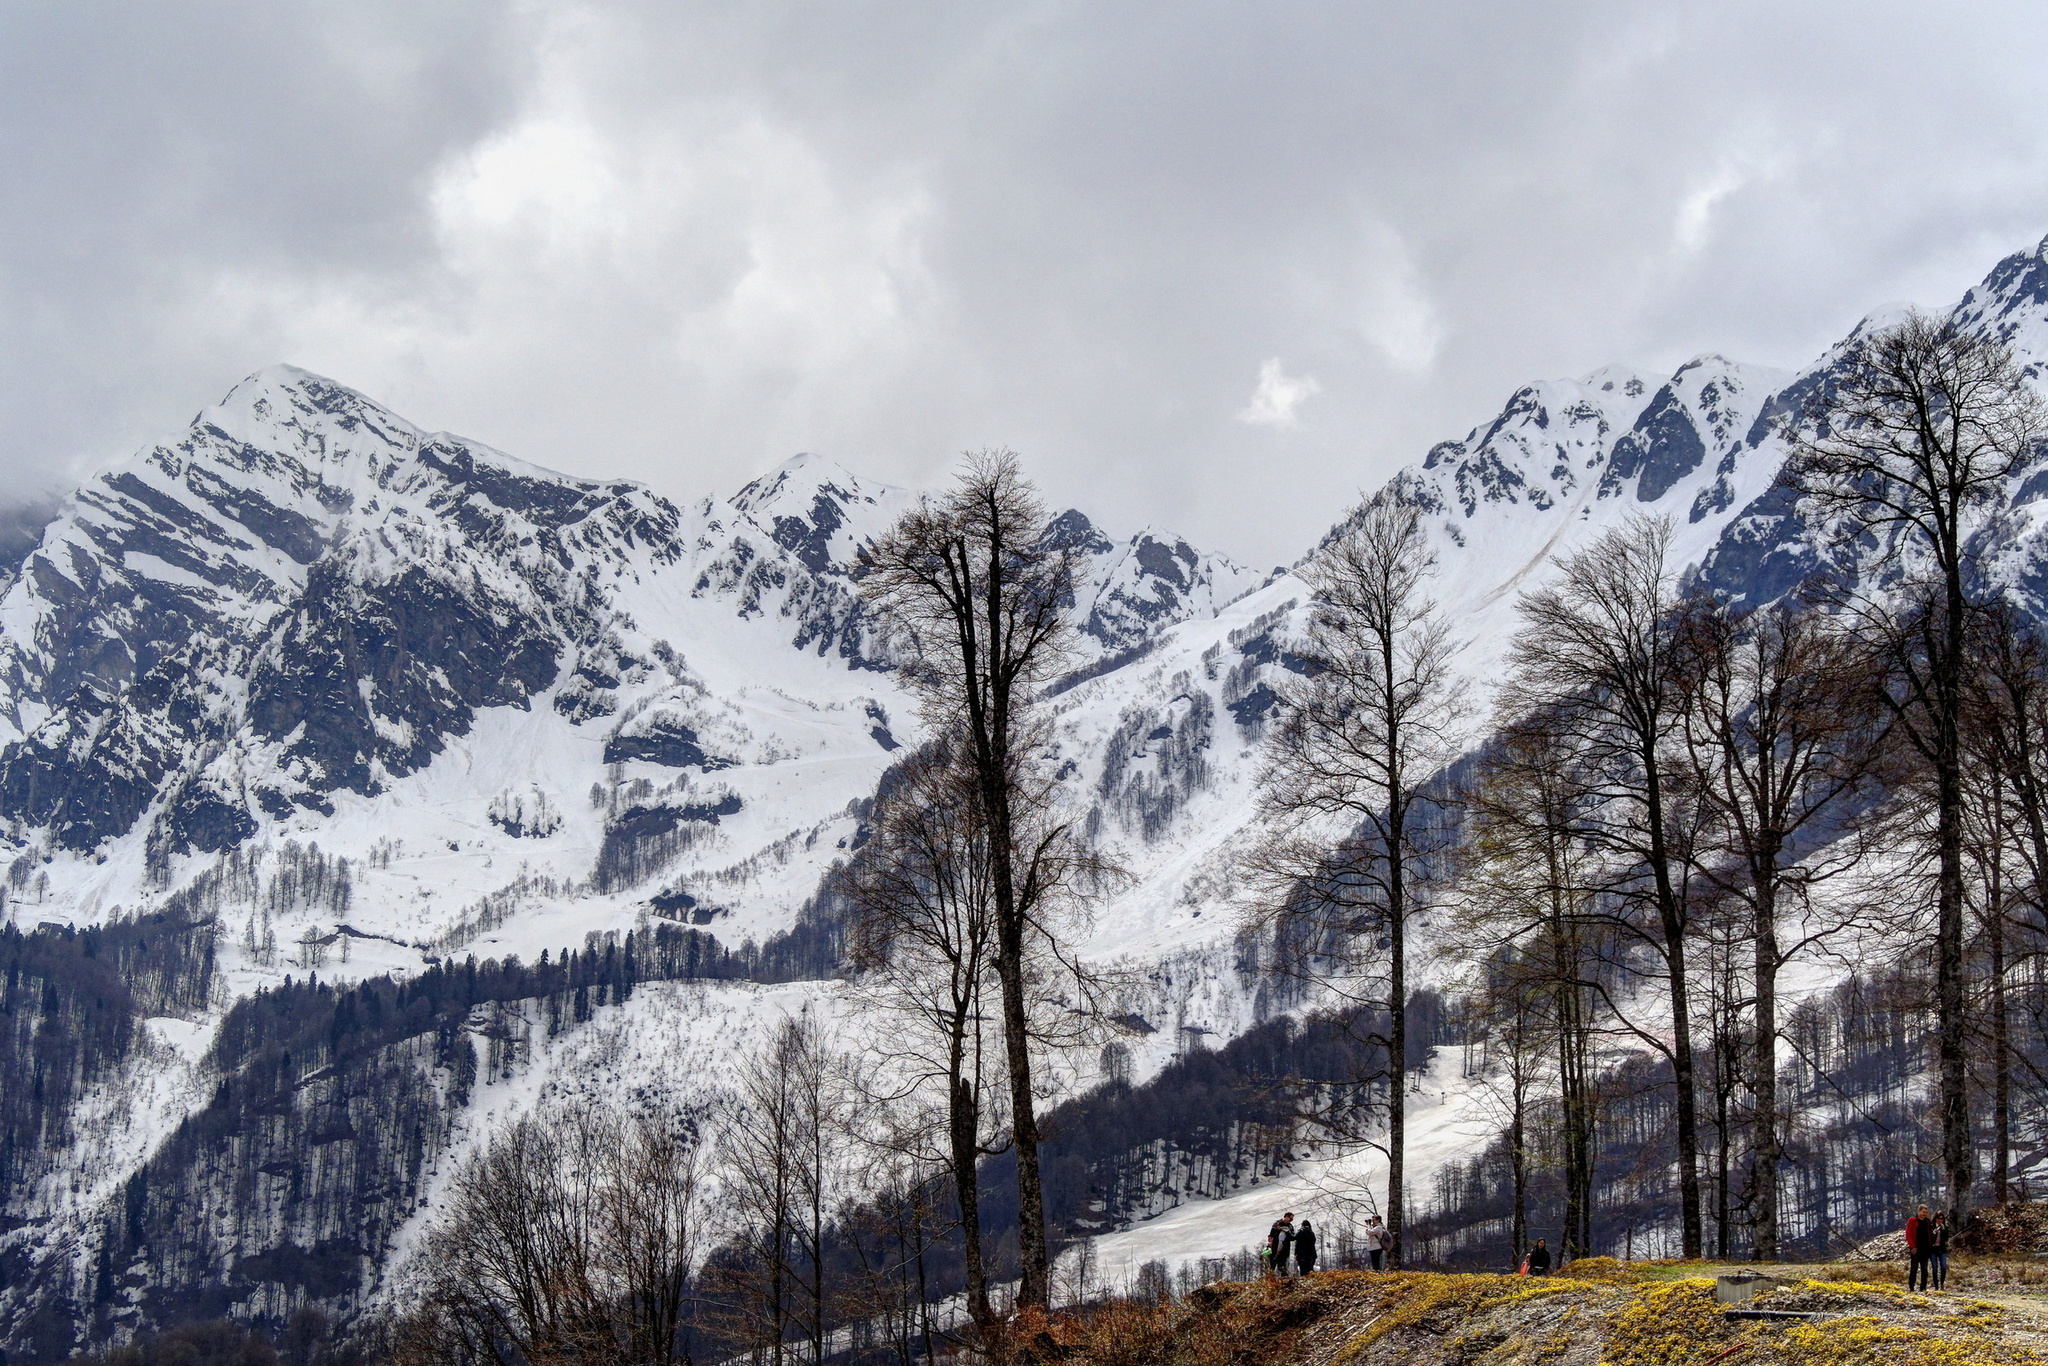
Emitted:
pixel 2007 692
pixel 570 1237
pixel 1512 1001
pixel 1597 655
pixel 1345 782
pixel 1783 751
pixel 1914 435
pixel 2007 832
pixel 971 582
pixel 923 938
pixel 777 1149
pixel 1528 884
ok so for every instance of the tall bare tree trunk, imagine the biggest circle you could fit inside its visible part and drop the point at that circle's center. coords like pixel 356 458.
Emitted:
pixel 1671 921
pixel 1518 1160
pixel 1781 732
pixel 2001 1076
pixel 1397 1051
pixel 1361 736
pixel 1034 1286
pixel 995 761
pixel 1768 1141
pixel 971 579
pixel 1952 1023
pixel 1526 889
pixel 964 1124
pixel 1596 651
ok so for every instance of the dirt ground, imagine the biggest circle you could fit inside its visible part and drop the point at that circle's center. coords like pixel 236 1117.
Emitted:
pixel 1995 1310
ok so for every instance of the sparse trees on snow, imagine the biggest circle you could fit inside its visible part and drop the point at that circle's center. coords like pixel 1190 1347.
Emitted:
pixel 1913 436
pixel 569 1237
pixel 777 1151
pixel 1345 782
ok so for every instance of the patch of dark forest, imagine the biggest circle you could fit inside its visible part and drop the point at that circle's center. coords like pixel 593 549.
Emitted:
pixel 332 1104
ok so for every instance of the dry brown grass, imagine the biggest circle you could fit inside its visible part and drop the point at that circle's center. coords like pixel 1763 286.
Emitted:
pixel 1610 1269
pixel 1617 1314
pixel 1989 1273
pixel 1869 1273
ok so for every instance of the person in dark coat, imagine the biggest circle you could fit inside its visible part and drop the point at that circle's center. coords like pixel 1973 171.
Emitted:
pixel 1279 1241
pixel 1936 1240
pixel 1305 1249
pixel 1539 1259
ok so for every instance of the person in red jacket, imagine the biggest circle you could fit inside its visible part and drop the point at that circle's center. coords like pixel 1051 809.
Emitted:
pixel 1918 1231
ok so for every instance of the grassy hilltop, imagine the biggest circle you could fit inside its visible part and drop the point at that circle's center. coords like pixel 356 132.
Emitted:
pixel 1605 1312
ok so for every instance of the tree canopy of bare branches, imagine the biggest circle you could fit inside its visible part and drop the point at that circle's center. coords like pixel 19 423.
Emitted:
pixel 1597 656
pixel 568 1238
pixel 1529 885
pixel 778 1163
pixel 923 939
pixel 979 596
pixel 1915 435
pixel 1784 752
pixel 1344 783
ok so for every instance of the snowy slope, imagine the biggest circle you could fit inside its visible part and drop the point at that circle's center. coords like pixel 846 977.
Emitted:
pixel 1564 461
pixel 306 619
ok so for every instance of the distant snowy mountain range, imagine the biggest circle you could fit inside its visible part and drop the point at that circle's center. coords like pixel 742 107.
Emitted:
pixel 529 710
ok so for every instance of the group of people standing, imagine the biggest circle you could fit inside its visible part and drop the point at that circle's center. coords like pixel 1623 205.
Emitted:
pixel 1926 1246
pixel 1926 1251
pixel 1286 1242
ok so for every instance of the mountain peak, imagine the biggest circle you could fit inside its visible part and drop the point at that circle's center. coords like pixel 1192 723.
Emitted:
pixel 797 481
pixel 1623 379
pixel 819 510
pixel 259 395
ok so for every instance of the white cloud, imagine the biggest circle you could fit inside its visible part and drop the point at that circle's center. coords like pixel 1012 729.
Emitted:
pixel 1278 395
pixel 1399 316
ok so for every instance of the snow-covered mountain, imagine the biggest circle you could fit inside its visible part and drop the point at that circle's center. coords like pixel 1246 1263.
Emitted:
pixel 305 614
pixel 496 710
pixel 534 713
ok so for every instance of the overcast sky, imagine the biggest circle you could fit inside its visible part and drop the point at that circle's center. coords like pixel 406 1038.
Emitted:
pixel 1214 268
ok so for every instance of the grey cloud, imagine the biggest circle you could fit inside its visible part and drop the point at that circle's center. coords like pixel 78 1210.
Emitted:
pixel 151 148
pixel 679 242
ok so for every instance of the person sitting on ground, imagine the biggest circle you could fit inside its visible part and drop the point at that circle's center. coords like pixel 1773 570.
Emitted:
pixel 1305 1249
pixel 1539 1259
